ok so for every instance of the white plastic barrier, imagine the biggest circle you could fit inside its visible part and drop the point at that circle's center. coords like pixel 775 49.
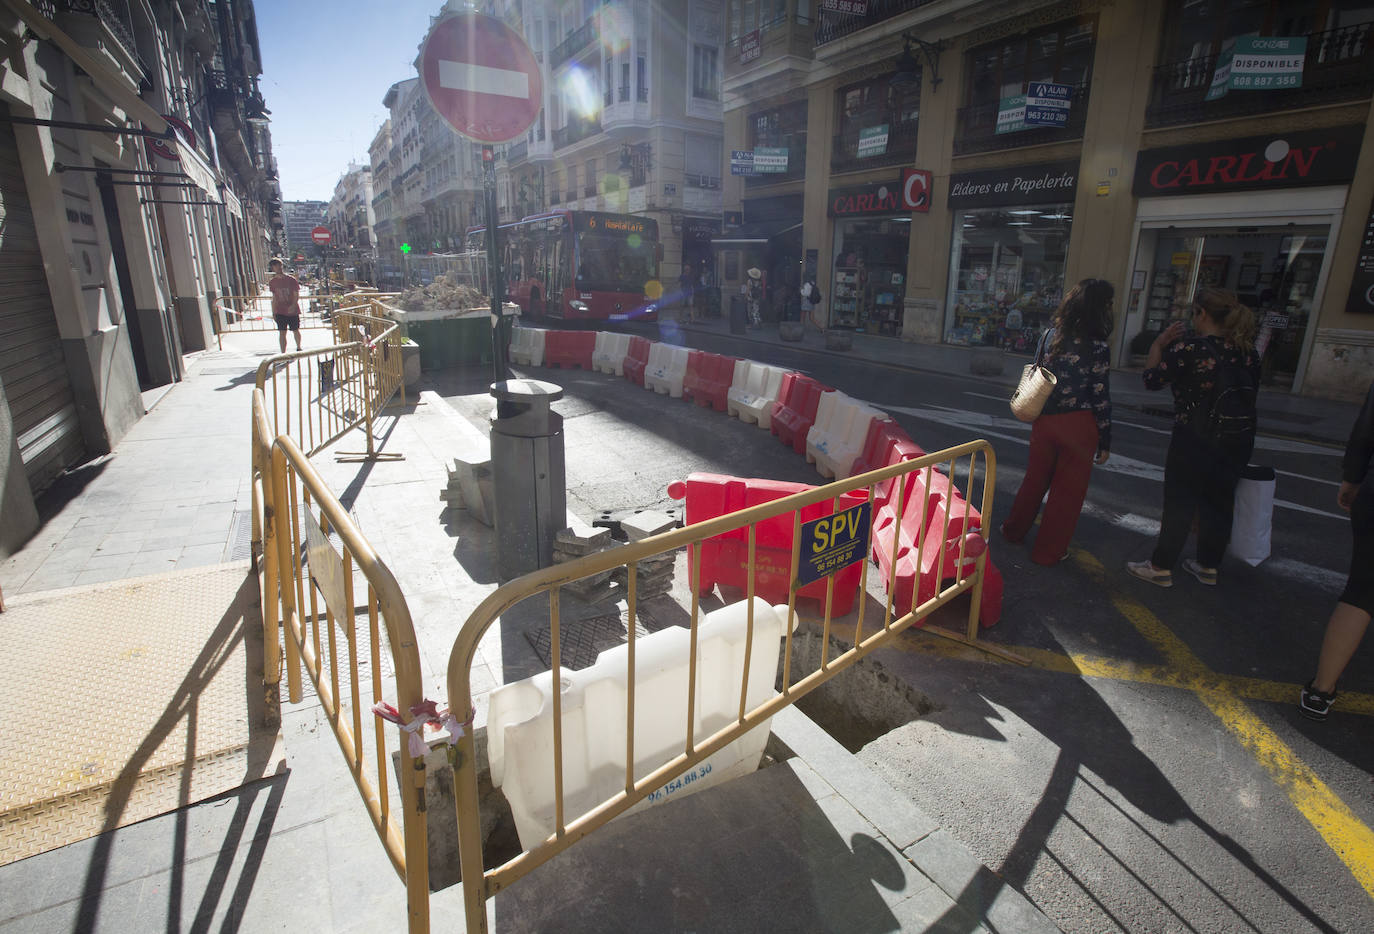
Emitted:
pixel 609 354
pixel 666 370
pixel 527 346
pixel 753 392
pixel 520 719
pixel 838 435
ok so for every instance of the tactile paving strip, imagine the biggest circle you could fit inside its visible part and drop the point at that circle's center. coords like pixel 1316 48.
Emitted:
pixel 128 700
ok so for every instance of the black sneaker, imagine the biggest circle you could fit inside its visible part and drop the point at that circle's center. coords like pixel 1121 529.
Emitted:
pixel 1314 704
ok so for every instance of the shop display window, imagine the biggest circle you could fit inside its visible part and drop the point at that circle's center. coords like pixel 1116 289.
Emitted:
pixel 1273 270
pixel 869 281
pixel 1006 274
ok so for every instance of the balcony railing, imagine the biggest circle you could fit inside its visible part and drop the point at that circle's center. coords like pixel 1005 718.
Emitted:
pixel 642 94
pixel 589 191
pixel 708 182
pixel 575 131
pixel 580 38
pixel 624 92
pixel 1339 66
pixel 608 98
pixel 977 127
pixel 517 151
pixel 114 16
pixel 832 26
pixel 901 148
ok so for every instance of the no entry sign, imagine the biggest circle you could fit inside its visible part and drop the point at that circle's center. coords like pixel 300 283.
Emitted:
pixel 321 236
pixel 482 77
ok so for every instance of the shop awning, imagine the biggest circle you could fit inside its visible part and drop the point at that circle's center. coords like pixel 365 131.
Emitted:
pixel 756 233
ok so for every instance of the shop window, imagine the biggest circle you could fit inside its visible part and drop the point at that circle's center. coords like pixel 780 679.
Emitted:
pixel 1006 274
pixel 705 72
pixel 590 189
pixel 869 281
pixel 877 122
pixel 781 128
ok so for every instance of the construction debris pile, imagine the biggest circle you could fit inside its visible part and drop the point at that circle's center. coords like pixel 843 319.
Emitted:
pixel 443 294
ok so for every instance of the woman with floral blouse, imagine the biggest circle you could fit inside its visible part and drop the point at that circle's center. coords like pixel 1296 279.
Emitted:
pixel 1199 477
pixel 1074 430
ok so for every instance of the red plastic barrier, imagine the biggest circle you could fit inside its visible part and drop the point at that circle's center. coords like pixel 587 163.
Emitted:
pixel 938 560
pixel 885 445
pixel 725 558
pixel 708 379
pixel 637 360
pixel 569 348
pixel 795 411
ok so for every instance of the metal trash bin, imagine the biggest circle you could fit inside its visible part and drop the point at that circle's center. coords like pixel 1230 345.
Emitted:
pixel 527 459
pixel 739 318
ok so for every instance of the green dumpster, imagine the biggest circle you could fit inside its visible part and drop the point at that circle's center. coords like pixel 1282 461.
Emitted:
pixel 451 337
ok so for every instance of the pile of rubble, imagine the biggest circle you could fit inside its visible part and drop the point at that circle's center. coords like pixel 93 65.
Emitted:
pixel 443 294
pixel 653 575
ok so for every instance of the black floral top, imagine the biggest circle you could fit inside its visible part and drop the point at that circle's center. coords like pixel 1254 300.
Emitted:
pixel 1082 370
pixel 1189 366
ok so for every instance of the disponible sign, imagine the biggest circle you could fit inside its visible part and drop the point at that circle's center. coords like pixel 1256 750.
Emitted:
pixel 750 47
pixel 1043 104
pixel 872 141
pixel 770 160
pixel 1044 183
pixel 742 162
pixel 1292 160
pixel 1259 63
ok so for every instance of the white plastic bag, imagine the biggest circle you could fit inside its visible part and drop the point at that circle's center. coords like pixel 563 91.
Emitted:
pixel 1254 515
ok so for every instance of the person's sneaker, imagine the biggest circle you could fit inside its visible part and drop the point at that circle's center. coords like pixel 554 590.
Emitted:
pixel 1204 575
pixel 1314 704
pixel 1148 572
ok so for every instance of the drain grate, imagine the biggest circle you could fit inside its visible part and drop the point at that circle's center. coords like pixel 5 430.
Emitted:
pixel 239 547
pixel 581 642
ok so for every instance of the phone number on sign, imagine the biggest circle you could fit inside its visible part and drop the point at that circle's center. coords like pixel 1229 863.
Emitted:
pixel 681 782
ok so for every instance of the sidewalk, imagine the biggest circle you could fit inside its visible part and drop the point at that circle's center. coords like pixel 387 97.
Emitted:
pixel 1281 414
pixel 296 849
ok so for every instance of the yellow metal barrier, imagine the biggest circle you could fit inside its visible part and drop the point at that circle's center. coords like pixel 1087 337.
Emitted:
pixel 299 514
pixel 480 884
pixel 316 396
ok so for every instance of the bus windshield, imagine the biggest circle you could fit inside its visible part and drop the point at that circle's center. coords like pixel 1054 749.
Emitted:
pixel 614 264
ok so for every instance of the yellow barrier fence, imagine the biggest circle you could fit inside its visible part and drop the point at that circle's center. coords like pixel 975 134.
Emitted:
pixel 337 641
pixel 316 396
pixel 479 884
pixel 247 313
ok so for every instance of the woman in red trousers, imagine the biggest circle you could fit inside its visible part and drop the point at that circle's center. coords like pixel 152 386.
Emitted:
pixel 1074 430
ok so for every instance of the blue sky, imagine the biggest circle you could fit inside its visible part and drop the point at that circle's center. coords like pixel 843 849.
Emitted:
pixel 326 66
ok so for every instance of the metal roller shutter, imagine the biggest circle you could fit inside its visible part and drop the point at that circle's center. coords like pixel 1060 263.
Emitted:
pixel 32 366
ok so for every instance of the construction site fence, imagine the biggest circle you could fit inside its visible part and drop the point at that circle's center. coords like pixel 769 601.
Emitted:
pixel 317 396
pixel 327 597
pixel 468 268
pixel 974 460
pixel 238 314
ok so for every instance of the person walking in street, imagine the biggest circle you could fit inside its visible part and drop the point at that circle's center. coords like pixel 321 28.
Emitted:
pixel 1074 430
pixel 1351 617
pixel 1214 375
pixel 286 308
pixel 753 296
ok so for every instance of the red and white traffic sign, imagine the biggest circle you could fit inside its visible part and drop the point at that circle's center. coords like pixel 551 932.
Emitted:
pixel 321 235
pixel 482 77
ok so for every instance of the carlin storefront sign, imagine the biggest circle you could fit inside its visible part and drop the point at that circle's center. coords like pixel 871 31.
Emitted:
pixel 1044 183
pixel 878 198
pixel 1290 160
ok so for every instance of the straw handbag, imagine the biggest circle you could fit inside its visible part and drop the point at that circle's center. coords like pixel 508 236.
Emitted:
pixel 1035 387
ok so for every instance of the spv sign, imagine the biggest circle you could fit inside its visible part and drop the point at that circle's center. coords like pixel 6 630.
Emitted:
pixel 833 543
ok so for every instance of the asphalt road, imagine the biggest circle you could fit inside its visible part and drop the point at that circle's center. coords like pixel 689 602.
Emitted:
pixel 1148 770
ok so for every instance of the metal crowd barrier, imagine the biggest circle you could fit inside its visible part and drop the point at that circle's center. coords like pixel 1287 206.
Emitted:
pixel 316 396
pixel 298 516
pixel 246 313
pixel 480 884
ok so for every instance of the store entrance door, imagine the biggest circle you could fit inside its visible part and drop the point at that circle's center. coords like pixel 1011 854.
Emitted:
pixel 1277 269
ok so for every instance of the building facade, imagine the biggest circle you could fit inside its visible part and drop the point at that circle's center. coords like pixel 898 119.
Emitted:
pixel 300 218
pixel 137 187
pixel 955 166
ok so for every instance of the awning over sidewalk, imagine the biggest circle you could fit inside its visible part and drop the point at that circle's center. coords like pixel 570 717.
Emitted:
pixel 756 233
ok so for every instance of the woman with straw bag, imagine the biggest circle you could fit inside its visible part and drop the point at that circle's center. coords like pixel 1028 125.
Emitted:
pixel 1073 430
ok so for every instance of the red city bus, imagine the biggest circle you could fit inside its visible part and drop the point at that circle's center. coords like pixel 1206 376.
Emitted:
pixel 580 265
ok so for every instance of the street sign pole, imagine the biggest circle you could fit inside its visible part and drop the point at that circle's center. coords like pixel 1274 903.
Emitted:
pixel 500 372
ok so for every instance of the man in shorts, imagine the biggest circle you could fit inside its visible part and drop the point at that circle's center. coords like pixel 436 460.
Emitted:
pixel 286 309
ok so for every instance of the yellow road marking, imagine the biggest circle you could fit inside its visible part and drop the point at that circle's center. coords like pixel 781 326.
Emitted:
pixel 1343 831
pixel 1224 695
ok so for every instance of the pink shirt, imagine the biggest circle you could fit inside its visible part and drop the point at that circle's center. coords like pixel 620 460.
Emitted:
pixel 285 290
